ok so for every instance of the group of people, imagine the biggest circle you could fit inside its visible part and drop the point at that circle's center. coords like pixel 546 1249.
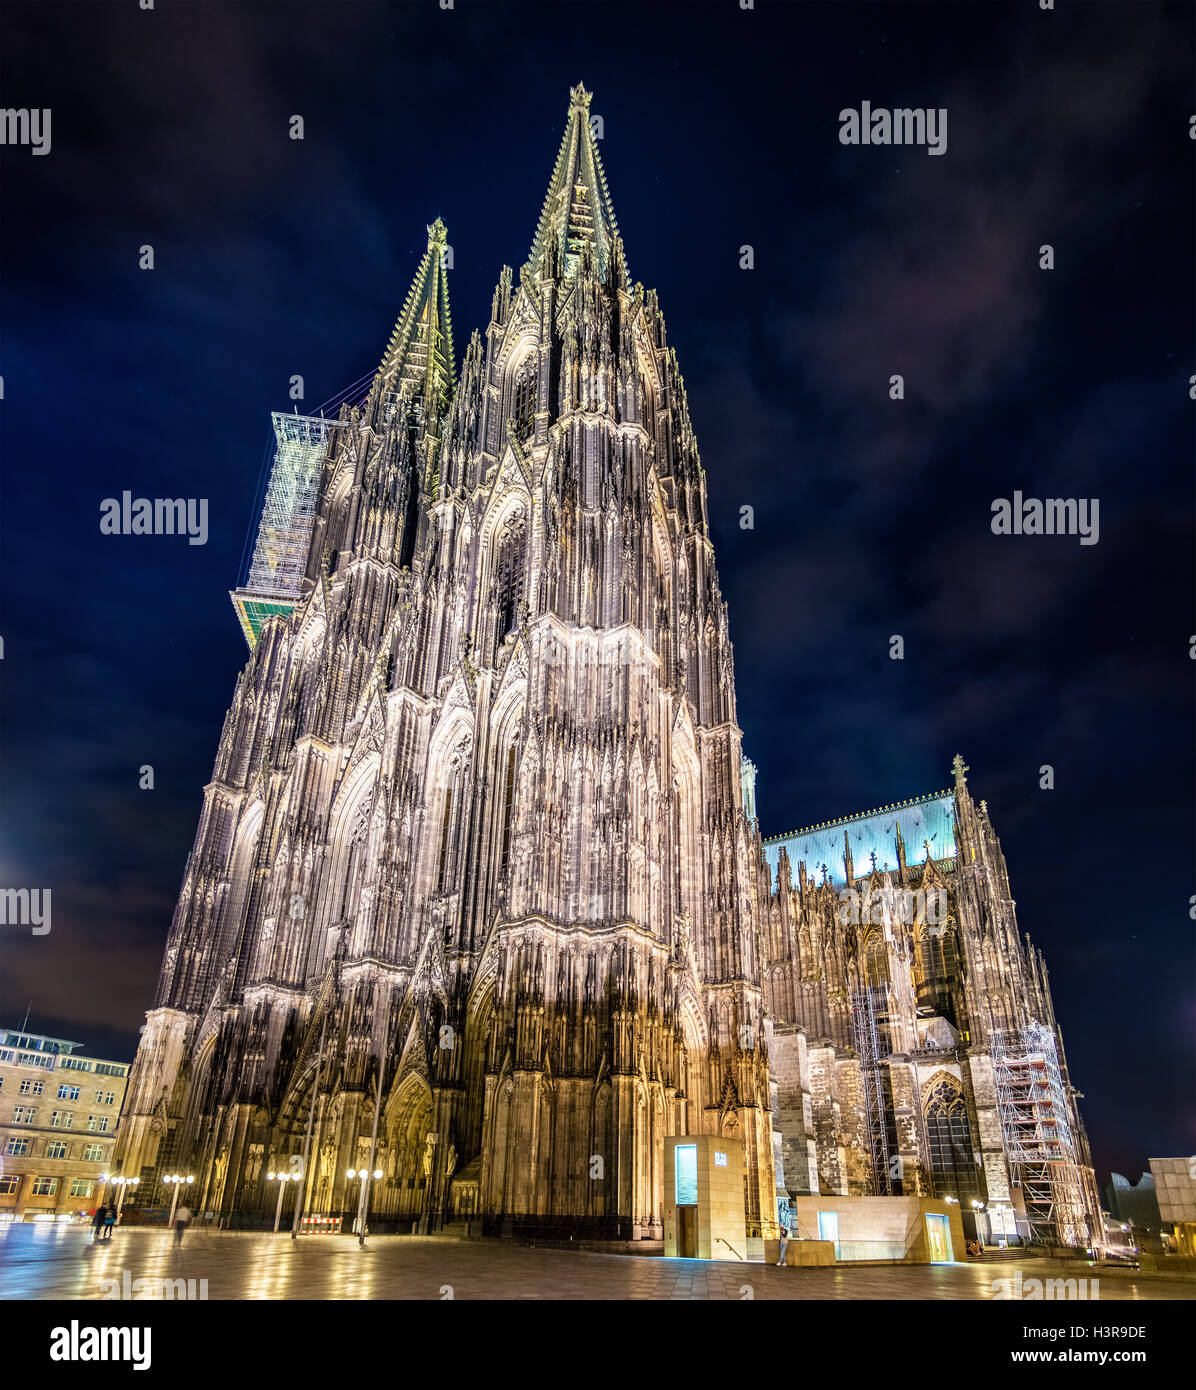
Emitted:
pixel 104 1219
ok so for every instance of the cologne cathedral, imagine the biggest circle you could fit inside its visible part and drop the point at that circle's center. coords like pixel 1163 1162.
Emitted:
pixel 478 900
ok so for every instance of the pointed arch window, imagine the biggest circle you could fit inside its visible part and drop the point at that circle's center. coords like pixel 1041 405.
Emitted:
pixel 687 866
pixel 524 402
pixel 876 968
pixel 446 824
pixel 952 1159
pixel 451 808
pixel 354 866
pixel 508 810
pixel 938 974
pixel 510 574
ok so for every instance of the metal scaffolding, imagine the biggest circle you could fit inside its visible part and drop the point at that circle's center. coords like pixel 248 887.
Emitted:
pixel 1036 1131
pixel 866 1043
pixel 275 579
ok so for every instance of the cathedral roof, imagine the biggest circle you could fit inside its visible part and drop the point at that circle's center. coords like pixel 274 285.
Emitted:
pixel 577 207
pixel 924 818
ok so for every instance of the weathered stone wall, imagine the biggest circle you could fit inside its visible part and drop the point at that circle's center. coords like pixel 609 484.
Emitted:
pixel 793 1114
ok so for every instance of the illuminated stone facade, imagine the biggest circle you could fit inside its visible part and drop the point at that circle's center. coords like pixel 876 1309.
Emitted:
pixel 908 910
pixel 479 794
pixel 480 835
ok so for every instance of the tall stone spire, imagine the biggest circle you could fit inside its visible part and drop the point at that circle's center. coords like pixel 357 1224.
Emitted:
pixel 420 351
pixel 502 789
pixel 577 208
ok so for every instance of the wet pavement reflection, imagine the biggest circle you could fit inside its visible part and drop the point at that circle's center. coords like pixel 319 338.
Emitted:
pixel 41 1261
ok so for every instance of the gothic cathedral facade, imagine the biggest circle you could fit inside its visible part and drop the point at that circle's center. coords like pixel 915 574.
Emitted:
pixel 478 897
pixel 479 791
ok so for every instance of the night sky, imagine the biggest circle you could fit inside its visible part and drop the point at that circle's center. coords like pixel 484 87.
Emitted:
pixel 277 257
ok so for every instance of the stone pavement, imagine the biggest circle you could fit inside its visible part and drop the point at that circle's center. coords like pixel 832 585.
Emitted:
pixel 44 1262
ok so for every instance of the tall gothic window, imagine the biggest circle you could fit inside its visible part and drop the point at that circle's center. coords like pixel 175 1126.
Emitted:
pixel 450 825
pixel 355 862
pixel 876 968
pixel 678 850
pixel 524 412
pixel 952 1160
pixel 446 826
pixel 509 574
pixel 876 976
pixel 938 971
pixel 508 809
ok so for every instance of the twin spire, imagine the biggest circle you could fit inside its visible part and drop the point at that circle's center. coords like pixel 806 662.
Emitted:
pixel 577 208
pixel 420 351
pixel 577 211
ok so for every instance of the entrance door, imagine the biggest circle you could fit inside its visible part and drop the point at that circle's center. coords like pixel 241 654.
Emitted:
pixel 938 1230
pixel 687 1233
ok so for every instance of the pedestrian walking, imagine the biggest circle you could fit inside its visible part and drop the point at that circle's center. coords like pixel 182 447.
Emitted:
pixel 109 1220
pixel 97 1222
pixel 182 1219
pixel 784 1243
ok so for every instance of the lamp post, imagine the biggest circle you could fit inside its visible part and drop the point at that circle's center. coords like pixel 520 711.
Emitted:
pixel 121 1185
pixel 301 1194
pixel 363 1176
pixel 175 1180
pixel 363 1212
pixel 977 1208
pixel 281 1179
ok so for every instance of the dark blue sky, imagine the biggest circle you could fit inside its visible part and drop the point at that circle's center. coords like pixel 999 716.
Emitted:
pixel 276 257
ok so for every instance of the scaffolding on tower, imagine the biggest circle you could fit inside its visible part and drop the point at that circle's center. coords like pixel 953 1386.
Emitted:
pixel 866 1041
pixel 1036 1132
pixel 274 583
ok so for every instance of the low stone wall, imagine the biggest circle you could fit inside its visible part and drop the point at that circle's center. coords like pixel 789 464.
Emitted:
pixel 801 1254
pixel 1167 1264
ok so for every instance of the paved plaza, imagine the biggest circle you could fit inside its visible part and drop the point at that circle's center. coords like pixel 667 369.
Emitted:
pixel 46 1262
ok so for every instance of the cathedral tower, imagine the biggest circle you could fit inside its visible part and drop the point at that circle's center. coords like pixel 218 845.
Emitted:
pixel 474 886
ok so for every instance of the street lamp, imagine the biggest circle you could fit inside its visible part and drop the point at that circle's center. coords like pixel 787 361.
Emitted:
pixel 176 1180
pixel 363 1176
pixel 281 1179
pixel 121 1185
